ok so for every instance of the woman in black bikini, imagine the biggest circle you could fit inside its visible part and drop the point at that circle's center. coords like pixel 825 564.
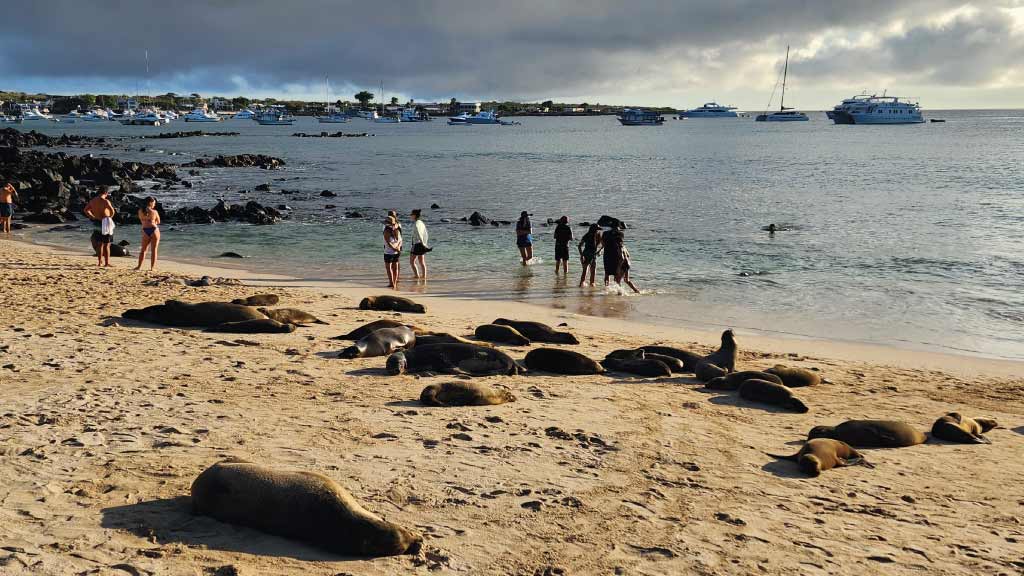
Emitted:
pixel 150 220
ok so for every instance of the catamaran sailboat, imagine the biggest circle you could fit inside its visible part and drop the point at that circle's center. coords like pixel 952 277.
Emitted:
pixel 784 114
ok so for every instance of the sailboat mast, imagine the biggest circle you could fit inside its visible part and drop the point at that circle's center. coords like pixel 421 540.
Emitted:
pixel 381 97
pixel 785 72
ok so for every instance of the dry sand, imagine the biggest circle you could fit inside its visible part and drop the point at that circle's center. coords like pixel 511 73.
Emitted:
pixel 105 423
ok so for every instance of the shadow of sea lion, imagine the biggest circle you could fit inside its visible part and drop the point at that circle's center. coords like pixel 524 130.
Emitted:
pixel 170 520
pixel 784 469
pixel 735 400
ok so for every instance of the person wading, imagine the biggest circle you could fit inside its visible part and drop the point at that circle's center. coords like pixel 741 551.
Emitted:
pixel 392 249
pixel 524 237
pixel 420 245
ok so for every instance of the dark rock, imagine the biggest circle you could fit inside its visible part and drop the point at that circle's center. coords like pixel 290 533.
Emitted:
pixel 478 219
pixel 283 207
pixel 328 194
pixel 191 134
pixel 611 222
pixel 354 214
pixel 45 217
pixel 230 255
pixel 237 161
pixel 330 207
pixel 262 188
pixel 434 206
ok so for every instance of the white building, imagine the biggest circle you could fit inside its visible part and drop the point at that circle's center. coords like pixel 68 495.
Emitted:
pixel 469 107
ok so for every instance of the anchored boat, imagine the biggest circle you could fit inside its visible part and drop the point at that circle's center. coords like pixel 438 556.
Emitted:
pixel 640 117
pixel 784 114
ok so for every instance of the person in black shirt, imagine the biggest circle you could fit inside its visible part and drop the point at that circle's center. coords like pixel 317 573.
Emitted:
pixel 563 235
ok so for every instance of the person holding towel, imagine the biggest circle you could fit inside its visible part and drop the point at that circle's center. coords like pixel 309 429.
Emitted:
pixel 101 212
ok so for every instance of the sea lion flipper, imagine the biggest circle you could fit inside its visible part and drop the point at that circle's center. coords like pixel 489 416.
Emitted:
pixel 791 457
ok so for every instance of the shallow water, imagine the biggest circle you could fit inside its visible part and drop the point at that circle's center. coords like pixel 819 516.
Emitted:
pixel 905 235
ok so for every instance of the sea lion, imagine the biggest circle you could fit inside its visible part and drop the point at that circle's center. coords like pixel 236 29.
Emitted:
pixel 291 316
pixel 368 328
pixel 561 362
pixel 389 303
pixel 674 364
pixel 626 354
pixel 706 371
pixel 464 394
pixel 795 377
pixel 647 367
pixel 957 428
pixel 732 381
pixel 725 356
pixel 466 359
pixel 689 359
pixel 538 332
pixel 822 454
pixel 261 326
pixel 258 300
pixel 427 338
pixel 502 334
pixel 304 506
pixel 202 314
pixel 871 433
pixel 381 343
pixel 771 393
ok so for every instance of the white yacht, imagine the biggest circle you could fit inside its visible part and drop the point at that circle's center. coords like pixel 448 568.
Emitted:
pixel 245 114
pixel 201 115
pixel 95 115
pixel 484 117
pixel 878 110
pixel 709 110
pixel 640 117
pixel 144 118
pixel 784 114
pixel 274 116
pixel 169 114
pixel 846 102
pixel 33 114
pixel 387 119
pixel 4 119
pixel 412 115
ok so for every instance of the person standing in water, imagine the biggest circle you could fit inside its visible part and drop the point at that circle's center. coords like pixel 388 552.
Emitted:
pixel 563 235
pixel 589 247
pixel 150 220
pixel 622 272
pixel 524 237
pixel 8 194
pixel 392 249
pixel 420 245
pixel 611 243
pixel 101 212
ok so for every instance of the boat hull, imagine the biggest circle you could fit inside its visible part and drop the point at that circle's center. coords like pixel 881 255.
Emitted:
pixel 777 118
pixel 626 122
pixel 875 119
pixel 275 122
pixel 691 114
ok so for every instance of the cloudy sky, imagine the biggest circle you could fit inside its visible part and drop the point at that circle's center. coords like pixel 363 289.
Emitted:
pixel 681 53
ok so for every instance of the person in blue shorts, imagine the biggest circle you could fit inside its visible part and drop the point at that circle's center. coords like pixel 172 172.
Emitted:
pixel 524 237
pixel 8 194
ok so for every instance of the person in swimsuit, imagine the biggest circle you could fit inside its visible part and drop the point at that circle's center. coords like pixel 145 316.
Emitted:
pixel 524 237
pixel 622 274
pixel 150 220
pixel 101 212
pixel 8 194
pixel 563 235
pixel 392 249
pixel 420 245
pixel 589 247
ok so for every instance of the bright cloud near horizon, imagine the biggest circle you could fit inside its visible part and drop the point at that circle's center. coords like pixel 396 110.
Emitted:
pixel 677 53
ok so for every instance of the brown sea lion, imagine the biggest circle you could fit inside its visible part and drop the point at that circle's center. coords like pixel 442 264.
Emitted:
pixel 674 364
pixel 465 359
pixel 771 393
pixel 871 433
pixel 725 356
pixel 464 394
pixel 261 326
pixel 957 428
pixel 733 380
pixel 370 327
pixel 389 303
pixel 502 334
pixel 303 506
pixel 538 332
pixel 258 300
pixel 626 354
pixel 202 314
pixel 795 377
pixel 381 343
pixel 291 316
pixel 689 359
pixel 648 367
pixel 822 454
pixel 426 338
pixel 706 371
pixel 559 361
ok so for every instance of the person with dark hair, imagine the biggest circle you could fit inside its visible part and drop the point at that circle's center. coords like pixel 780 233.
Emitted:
pixel 524 237
pixel 624 265
pixel 150 220
pixel 612 244
pixel 563 235
pixel 8 194
pixel 420 245
pixel 392 249
pixel 101 212
pixel 589 247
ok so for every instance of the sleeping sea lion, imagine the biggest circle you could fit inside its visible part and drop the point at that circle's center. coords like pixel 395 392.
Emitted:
pixel 626 354
pixel 464 394
pixel 706 371
pixel 559 361
pixel 258 300
pixel 368 328
pixel 427 338
pixel 795 377
pixel 647 367
pixel 771 393
pixel 538 332
pixel 502 334
pixel 957 428
pixel 303 506
pixel 291 316
pixel 689 359
pixel 732 381
pixel 466 359
pixel 674 364
pixel 202 314
pixel 871 433
pixel 725 356
pixel 381 343
pixel 389 303
pixel 822 454
pixel 261 326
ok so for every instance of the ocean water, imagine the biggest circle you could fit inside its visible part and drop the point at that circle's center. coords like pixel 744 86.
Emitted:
pixel 898 235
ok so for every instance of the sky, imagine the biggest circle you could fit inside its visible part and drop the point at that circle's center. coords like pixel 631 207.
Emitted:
pixel 676 53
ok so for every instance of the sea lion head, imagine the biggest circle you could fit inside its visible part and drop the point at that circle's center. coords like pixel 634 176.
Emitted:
pixel 728 340
pixel 397 363
pixel 810 465
pixel 366 303
pixel 821 432
pixel 566 338
pixel 986 424
pixel 716 383
pixel 798 405
pixel 507 395
pixel 382 538
pixel 350 352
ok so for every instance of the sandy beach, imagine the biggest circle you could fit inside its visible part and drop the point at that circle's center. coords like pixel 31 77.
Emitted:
pixel 106 422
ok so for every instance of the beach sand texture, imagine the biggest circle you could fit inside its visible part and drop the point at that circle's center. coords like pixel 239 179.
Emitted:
pixel 105 423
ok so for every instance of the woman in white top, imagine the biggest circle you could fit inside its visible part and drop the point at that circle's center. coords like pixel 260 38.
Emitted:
pixel 392 249
pixel 420 246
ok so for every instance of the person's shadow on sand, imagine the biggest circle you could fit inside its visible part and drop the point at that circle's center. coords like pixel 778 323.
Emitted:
pixel 170 520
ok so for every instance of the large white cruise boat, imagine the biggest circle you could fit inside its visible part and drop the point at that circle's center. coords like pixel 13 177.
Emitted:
pixel 846 102
pixel 878 110
pixel 709 110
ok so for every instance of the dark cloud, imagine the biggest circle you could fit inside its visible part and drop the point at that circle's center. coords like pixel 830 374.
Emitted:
pixel 526 50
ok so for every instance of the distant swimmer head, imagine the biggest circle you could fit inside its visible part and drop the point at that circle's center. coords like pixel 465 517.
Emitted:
pixel 397 364
pixel 772 227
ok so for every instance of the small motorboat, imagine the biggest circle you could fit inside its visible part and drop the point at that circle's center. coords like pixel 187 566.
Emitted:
pixel 201 115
